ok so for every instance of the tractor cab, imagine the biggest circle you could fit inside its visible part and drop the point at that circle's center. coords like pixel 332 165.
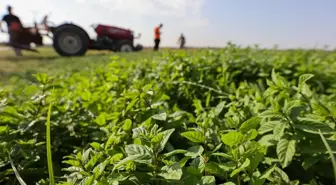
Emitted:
pixel 114 38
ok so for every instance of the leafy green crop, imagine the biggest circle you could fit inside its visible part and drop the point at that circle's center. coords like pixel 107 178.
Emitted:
pixel 232 117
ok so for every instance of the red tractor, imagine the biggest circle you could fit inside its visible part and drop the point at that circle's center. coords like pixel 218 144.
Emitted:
pixel 71 40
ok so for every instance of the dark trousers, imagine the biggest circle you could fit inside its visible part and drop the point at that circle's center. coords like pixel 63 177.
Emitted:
pixel 156 44
pixel 182 45
pixel 13 36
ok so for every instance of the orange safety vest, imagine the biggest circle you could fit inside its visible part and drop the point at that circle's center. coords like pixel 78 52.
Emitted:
pixel 157 33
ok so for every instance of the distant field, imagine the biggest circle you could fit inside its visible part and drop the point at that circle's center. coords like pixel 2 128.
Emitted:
pixel 47 60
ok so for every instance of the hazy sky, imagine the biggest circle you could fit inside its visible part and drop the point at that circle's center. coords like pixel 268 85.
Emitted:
pixel 288 23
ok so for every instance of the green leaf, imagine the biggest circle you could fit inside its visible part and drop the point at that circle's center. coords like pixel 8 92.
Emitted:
pixel 306 90
pixel 228 183
pixel 72 163
pixel 174 152
pixel 255 160
pixel 232 138
pixel 101 119
pixel 320 109
pixel 194 136
pixel 177 114
pixel 267 140
pixel 96 146
pixel 116 157
pixel 173 172
pixel 155 130
pixel 4 129
pixel 93 161
pixel 198 163
pixel 193 171
pixel 140 158
pixel 224 155
pixel 147 87
pixel 195 151
pixel 279 130
pixel 228 166
pixel 112 140
pixel 267 127
pixel 313 182
pixel 241 168
pixel 41 78
pixel 283 176
pixel 163 142
pixel 271 91
pixel 279 80
pixel 268 172
pixel 296 182
pixel 162 116
pixel 252 134
pixel 292 105
pixel 285 151
pixel 271 114
pixel 213 169
pixel 183 161
pixel 261 180
pixel 250 124
pixel 198 105
pixel 219 108
pixel 131 105
pixel 303 79
pixel 208 180
pixel 191 179
pixel 157 104
pixel 139 131
pixel 313 126
pixel 86 156
pixel 309 161
pixel 127 125
pixel 88 180
pixel 217 147
pixel 134 149
pixel 99 169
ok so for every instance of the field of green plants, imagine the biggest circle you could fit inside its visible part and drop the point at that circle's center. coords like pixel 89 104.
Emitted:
pixel 235 116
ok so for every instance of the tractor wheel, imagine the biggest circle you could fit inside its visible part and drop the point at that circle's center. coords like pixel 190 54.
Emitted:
pixel 126 46
pixel 70 40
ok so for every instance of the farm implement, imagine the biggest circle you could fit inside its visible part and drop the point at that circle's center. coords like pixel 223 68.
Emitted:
pixel 72 40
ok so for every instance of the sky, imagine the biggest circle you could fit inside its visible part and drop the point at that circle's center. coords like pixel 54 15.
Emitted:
pixel 286 23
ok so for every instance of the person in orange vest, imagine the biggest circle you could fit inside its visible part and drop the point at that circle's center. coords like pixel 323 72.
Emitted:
pixel 157 37
pixel 14 27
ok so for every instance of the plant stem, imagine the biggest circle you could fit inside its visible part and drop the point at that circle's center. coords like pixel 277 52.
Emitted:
pixel 49 154
pixel 332 157
pixel 238 179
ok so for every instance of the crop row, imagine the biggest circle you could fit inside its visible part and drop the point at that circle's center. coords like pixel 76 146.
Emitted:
pixel 234 116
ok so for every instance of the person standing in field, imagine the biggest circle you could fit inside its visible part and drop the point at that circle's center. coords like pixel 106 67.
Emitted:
pixel 157 37
pixel 181 41
pixel 13 26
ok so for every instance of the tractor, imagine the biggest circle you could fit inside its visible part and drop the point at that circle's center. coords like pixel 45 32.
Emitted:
pixel 71 40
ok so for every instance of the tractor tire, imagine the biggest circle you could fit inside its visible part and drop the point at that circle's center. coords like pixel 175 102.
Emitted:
pixel 138 47
pixel 70 40
pixel 126 46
